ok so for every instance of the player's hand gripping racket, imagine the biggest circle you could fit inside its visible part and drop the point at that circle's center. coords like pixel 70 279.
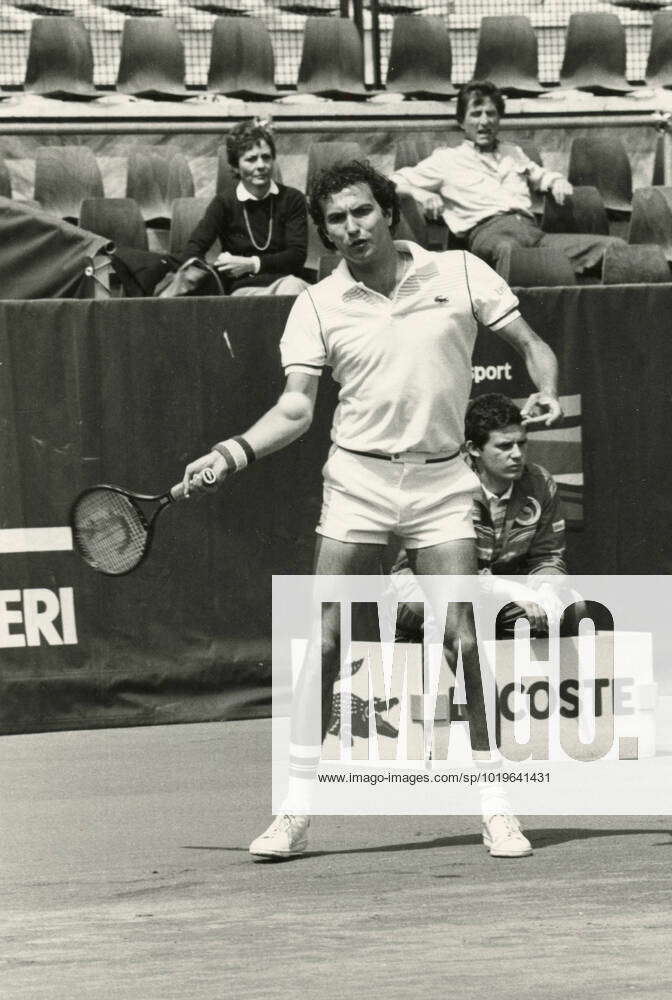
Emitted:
pixel 111 531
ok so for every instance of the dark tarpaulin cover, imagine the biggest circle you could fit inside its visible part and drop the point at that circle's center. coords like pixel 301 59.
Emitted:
pixel 127 391
pixel 42 257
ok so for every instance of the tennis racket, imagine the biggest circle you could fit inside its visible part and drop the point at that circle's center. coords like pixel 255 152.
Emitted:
pixel 110 529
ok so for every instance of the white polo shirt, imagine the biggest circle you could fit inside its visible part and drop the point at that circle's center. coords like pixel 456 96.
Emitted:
pixel 403 364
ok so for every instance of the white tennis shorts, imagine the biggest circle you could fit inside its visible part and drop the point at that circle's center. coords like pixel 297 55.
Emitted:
pixel 370 499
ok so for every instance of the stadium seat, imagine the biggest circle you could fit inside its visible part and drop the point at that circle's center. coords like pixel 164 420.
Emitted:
pixel 60 59
pixel 507 54
pixel 651 219
pixel 118 219
pixel 332 59
pixel 434 235
pixel 5 181
pixel 594 56
pixel 583 212
pixel 152 59
pixel 147 183
pixel 601 161
pixel 420 63
pixel 662 162
pixel 659 63
pixel 635 265
pixel 414 226
pixel 325 154
pixel 398 8
pixel 241 59
pixel 532 152
pixel 180 178
pixel 136 8
pixel 408 152
pixel 538 266
pixel 309 7
pixel 64 176
pixel 52 8
pixel 225 8
pixel 186 214
pixel 320 156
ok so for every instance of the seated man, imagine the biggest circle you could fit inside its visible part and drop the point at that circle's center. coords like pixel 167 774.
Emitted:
pixel 481 188
pixel 519 530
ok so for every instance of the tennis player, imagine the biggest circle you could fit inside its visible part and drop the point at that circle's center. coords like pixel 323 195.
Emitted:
pixel 397 326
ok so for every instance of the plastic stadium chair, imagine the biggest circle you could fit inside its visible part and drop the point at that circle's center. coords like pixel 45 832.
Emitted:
pixel 152 59
pixel 583 212
pixel 52 8
pixel 408 152
pixel 241 59
pixel 635 265
pixel 118 219
pixel 309 7
pixel 421 60
pixel 659 64
pixel 136 8
pixel 186 214
pixel 430 234
pixel 538 266
pixel 147 183
pixel 64 176
pixel 532 152
pixel 5 181
pixel 180 179
pixel 601 161
pixel 651 219
pixel 60 59
pixel 224 8
pixel 594 56
pixel 398 8
pixel 332 59
pixel 320 156
pixel 324 154
pixel 507 54
pixel 662 171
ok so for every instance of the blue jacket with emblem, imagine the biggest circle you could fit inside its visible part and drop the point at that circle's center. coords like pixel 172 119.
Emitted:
pixel 533 537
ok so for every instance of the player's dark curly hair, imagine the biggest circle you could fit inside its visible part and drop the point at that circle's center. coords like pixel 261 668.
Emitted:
pixel 490 412
pixel 333 179
pixel 481 89
pixel 244 136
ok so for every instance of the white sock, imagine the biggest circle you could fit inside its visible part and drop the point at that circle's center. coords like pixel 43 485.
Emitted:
pixel 303 764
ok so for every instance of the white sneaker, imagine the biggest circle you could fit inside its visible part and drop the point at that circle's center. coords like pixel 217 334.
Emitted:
pixel 286 837
pixel 504 838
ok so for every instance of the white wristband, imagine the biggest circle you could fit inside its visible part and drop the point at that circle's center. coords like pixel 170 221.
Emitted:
pixel 236 452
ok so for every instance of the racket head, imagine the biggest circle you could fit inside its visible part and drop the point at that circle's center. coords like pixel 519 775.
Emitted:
pixel 109 530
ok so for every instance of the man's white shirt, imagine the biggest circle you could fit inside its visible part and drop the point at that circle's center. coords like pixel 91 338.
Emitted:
pixel 476 185
pixel 403 364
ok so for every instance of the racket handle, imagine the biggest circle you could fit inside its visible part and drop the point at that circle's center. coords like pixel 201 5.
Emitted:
pixel 206 479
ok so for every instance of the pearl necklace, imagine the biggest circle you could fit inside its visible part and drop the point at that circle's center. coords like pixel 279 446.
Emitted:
pixel 250 234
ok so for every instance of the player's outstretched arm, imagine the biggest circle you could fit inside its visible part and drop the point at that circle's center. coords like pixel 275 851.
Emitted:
pixel 286 421
pixel 542 366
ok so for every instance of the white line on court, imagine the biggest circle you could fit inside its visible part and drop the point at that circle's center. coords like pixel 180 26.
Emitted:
pixel 35 540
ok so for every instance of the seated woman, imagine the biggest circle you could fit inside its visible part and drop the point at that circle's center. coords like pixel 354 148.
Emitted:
pixel 262 226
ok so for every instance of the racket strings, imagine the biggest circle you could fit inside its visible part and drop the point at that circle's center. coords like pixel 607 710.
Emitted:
pixel 109 531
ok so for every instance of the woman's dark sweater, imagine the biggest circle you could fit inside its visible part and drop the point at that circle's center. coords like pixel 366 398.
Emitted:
pixel 224 219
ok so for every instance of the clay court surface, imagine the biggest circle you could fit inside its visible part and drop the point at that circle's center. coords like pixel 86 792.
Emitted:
pixel 125 874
